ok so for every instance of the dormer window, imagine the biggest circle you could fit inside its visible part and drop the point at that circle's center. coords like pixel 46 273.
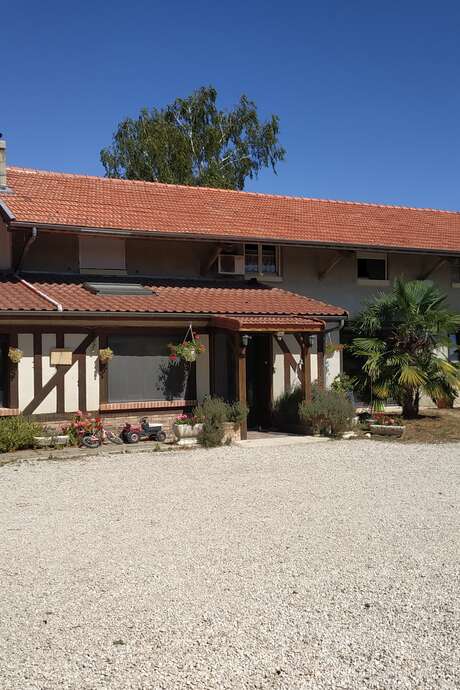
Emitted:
pixel 102 255
pixel 262 259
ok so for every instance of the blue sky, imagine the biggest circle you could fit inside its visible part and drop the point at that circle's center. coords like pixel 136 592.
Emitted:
pixel 367 92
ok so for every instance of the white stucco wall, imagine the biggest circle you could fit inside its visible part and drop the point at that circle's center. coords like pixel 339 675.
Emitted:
pixel 71 340
pixel 26 370
pixel 278 370
pixel 92 376
pixel 340 286
pixel 332 363
pixel 49 404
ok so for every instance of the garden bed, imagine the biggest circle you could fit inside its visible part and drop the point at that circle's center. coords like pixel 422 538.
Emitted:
pixel 433 426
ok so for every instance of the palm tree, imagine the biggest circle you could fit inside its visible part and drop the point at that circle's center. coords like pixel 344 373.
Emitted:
pixel 401 337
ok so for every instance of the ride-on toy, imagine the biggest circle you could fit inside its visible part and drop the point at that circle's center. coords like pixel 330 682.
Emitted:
pixel 133 433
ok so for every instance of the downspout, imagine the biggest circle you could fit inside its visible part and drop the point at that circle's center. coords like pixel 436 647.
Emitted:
pixel 30 241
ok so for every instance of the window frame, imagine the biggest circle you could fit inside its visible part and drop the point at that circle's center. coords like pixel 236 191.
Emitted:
pixel 170 335
pixel 382 256
pixel 274 277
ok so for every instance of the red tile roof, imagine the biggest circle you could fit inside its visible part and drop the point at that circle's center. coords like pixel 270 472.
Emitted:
pixel 268 323
pixel 168 297
pixel 94 202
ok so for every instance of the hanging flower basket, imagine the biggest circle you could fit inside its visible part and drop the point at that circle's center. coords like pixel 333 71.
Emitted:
pixel 187 350
pixel 332 348
pixel 105 355
pixel 15 355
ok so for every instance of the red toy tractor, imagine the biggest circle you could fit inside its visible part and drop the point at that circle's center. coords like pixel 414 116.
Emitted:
pixel 133 433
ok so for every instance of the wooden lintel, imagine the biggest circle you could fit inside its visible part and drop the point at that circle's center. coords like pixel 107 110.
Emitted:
pixel 434 268
pixel 332 264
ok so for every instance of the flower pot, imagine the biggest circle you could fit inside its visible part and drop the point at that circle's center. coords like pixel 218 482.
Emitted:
pixel 386 429
pixel 444 403
pixel 61 440
pixel 43 441
pixel 190 356
pixel 232 432
pixel 186 434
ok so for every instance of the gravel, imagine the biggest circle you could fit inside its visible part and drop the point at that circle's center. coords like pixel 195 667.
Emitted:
pixel 328 566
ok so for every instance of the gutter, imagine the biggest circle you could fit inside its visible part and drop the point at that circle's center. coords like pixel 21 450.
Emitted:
pixel 6 213
pixel 235 239
pixel 149 314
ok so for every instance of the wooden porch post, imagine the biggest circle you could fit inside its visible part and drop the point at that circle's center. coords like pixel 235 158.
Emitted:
pixel 241 380
pixel 320 361
pixel 306 367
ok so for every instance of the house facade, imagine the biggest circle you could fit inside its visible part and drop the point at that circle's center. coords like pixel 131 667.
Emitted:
pixel 267 283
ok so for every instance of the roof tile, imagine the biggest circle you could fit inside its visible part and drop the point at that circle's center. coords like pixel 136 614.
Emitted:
pixel 95 202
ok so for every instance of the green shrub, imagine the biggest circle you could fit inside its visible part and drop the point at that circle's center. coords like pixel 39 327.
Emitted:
pixel 17 433
pixel 327 412
pixel 237 412
pixel 212 413
pixel 286 409
pixel 343 383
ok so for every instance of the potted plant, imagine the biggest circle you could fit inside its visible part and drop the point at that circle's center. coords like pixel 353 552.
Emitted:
pixel 105 355
pixel 186 429
pixel 189 349
pixel 15 355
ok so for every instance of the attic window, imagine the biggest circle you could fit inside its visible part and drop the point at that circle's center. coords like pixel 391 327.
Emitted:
pixel 118 289
pixel 372 268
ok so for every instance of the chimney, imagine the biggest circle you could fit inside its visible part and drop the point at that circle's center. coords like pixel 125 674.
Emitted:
pixel 2 163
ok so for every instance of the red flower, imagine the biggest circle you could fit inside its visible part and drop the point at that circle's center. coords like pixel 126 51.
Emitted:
pixel 173 358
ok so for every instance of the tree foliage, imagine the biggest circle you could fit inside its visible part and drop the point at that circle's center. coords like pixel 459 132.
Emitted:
pixel 192 142
pixel 400 337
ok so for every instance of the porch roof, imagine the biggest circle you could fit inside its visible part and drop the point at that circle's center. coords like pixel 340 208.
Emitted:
pixel 269 324
pixel 187 297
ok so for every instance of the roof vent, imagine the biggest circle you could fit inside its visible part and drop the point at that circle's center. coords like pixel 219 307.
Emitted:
pixel 133 289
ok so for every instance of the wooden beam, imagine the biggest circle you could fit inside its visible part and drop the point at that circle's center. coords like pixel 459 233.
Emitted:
pixel 320 361
pixel 241 382
pixel 306 368
pixel 332 264
pixel 434 268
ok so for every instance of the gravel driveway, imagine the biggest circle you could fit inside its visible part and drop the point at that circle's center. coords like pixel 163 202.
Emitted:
pixel 328 566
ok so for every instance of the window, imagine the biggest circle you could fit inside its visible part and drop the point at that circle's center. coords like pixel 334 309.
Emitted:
pixel 262 258
pixel 102 255
pixel 372 268
pixel 141 370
